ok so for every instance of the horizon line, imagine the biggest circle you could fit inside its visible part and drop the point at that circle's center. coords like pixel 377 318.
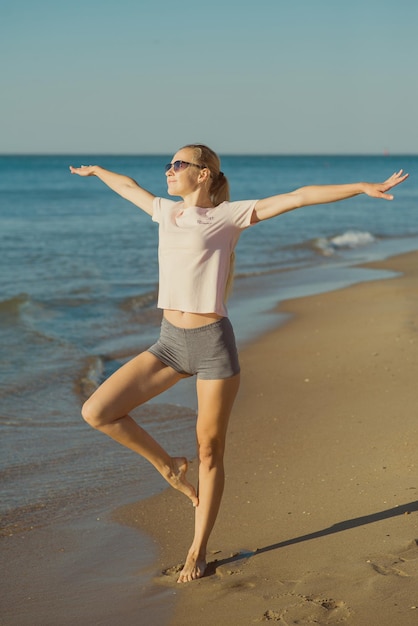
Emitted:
pixel 223 154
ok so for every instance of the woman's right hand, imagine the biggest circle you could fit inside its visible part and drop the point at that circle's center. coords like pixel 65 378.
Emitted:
pixel 125 186
pixel 84 170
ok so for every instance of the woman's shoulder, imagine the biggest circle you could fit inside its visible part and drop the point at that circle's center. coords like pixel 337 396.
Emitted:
pixel 232 204
pixel 166 203
pixel 239 211
pixel 163 206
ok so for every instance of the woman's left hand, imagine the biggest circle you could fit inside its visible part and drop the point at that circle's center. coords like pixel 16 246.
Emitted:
pixel 378 190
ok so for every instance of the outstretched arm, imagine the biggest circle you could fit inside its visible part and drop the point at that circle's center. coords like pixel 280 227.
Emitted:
pixel 322 194
pixel 126 187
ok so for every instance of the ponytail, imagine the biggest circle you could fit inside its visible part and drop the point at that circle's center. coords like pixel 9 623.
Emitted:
pixel 219 189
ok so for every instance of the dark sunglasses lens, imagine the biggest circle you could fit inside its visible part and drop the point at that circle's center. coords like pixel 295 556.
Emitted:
pixel 177 166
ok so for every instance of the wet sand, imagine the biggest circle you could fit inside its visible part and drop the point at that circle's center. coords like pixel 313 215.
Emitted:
pixel 319 519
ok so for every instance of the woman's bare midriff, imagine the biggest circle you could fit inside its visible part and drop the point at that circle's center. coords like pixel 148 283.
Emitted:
pixel 183 319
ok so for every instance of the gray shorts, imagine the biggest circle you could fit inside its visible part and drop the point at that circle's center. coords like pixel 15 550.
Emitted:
pixel 209 351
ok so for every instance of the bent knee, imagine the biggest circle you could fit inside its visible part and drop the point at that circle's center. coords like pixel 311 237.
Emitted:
pixel 93 415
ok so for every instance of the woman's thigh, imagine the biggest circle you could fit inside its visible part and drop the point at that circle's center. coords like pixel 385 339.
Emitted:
pixel 215 401
pixel 136 382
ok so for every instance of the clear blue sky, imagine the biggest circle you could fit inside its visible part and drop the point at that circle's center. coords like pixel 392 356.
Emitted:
pixel 147 76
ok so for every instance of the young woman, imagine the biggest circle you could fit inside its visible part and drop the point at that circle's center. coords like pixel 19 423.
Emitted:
pixel 197 237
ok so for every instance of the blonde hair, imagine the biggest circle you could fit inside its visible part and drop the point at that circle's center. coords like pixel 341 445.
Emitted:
pixel 218 191
pixel 219 187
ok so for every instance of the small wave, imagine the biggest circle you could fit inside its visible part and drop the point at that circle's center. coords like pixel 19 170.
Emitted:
pixel 142 309
pixel 12 306
pixel 136 304
pixel 23 309
pixel 90 377
pixel 349 240
pixel 249 274
pixel 288 267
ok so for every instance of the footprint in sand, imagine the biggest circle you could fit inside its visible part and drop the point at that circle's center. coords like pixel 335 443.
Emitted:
pixel 174 569
pixel 310 610
pixel 169 575
pixel 388 568
pixel 402 565
pixel 411 553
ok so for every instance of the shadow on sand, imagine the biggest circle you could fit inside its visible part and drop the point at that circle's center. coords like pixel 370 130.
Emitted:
pixel 404 509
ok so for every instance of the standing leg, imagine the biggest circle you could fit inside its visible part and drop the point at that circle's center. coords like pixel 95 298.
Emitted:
pixel 215 401
pixel 108 409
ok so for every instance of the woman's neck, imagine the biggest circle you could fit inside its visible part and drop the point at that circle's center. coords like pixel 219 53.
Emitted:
pixel 198 198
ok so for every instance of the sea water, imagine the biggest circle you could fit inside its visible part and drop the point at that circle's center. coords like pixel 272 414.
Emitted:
pixel 78 289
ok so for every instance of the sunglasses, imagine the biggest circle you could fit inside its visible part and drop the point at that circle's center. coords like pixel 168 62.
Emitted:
pixel 178 166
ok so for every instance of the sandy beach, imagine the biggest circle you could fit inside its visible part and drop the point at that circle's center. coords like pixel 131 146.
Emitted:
pixel 319 517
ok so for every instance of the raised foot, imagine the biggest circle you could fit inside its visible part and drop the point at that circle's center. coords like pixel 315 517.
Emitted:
pixel 177 479
pixel 193 569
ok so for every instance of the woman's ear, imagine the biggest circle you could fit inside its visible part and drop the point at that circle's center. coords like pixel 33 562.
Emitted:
pixel 204 175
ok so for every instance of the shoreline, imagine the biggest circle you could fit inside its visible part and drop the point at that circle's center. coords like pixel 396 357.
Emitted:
pixel 257 560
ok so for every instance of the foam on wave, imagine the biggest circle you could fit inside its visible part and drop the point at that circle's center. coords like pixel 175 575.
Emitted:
pixel 349 240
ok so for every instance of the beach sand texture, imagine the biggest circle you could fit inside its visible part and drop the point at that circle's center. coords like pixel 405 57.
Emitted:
pixel 319 518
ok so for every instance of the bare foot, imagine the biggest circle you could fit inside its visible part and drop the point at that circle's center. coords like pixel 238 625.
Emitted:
pixel 177 479
pixel 193 568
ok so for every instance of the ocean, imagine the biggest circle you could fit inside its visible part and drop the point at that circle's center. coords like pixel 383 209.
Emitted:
pixel 79 280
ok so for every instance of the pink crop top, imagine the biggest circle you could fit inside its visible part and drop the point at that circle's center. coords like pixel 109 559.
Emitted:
pixel 194 253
